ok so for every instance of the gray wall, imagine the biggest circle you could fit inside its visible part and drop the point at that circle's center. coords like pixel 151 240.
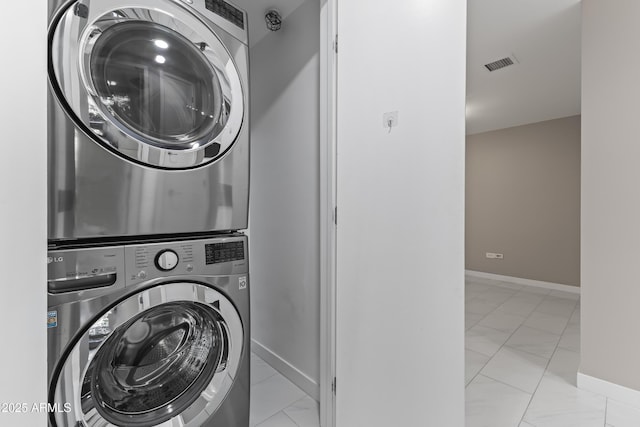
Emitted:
pixel 285 185
pixel 523 200
pixel 610 191
pixel 23 210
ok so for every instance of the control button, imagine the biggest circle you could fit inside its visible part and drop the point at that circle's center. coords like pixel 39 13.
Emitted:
pixel 142 275
pixel 189 268
pixel 166 260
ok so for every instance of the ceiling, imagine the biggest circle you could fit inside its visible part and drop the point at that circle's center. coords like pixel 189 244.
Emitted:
pixel 545 38
pixel 543 35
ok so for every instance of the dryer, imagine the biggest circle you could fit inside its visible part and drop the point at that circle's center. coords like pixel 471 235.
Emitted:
pixel 148 118
pixel 148 334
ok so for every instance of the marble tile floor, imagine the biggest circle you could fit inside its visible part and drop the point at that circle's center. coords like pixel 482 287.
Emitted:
pixel 522 356
pixel 277 402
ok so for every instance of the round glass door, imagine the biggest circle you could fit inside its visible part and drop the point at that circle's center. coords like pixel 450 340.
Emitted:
pixel 157 84
pixel 150 81
pixel 170 354
pixel 156 364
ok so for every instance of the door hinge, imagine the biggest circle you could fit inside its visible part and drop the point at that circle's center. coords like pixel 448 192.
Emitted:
pixel 333 385
pixel 335 215
pixel 335 44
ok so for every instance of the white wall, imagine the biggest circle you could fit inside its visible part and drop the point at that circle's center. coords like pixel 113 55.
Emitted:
pixel 610 314
pixel 400 272
pixel 284 217
pixel 23 364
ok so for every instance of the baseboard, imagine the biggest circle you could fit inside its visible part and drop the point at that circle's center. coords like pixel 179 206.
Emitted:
pixel 613 391
pixel 527 282
pixel 292 373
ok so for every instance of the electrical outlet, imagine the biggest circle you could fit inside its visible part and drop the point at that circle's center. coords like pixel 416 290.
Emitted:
pixel 492 255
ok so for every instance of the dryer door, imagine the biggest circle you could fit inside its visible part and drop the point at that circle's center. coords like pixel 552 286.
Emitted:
pixel 147 79
pixel 168 354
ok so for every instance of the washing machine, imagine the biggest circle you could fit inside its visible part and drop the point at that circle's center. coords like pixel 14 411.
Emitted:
pixel 148 118
pixel 152 333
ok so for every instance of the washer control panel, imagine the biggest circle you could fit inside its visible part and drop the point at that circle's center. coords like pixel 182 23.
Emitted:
pixel 166 260
pixel 217 253
pixel 210 256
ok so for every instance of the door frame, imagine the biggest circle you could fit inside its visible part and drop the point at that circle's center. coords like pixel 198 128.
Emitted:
pixel 328 209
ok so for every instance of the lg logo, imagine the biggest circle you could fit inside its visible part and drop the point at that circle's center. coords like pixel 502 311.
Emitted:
pixel 54 259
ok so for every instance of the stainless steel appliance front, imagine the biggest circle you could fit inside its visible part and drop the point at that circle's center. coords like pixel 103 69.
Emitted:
pixel 150 334
pixel 148 122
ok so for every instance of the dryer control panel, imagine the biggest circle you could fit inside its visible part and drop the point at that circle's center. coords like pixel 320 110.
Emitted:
pixel 224 15
pixel 227 11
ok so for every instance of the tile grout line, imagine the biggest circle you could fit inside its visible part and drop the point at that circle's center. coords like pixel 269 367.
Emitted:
pixel 532 354
pixel 479 373
pixel 299 400
pixel 282 410
pixel 491 357
pixel 276 373
pixel 265 379
pixel 508 385
pixel 547 367
pixel 288 404
pixel 270 376
pixel 505 342
pixel 478 314
pixel 542 330
pixel 275 415
pixel 287 415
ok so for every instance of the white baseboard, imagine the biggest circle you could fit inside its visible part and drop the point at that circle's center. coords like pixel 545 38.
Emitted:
pixel 293 374
pixel 613 391
pixel 527 282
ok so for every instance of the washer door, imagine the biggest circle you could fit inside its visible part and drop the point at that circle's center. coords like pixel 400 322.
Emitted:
pixel 149 80
pixel 168 354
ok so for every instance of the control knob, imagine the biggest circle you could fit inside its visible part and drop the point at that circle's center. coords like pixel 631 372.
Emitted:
pixel 166 260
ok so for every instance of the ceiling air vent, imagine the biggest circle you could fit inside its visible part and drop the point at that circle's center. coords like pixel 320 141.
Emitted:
pixel 501 63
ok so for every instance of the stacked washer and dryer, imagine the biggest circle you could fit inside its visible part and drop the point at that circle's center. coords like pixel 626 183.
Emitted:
pixel 148 290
